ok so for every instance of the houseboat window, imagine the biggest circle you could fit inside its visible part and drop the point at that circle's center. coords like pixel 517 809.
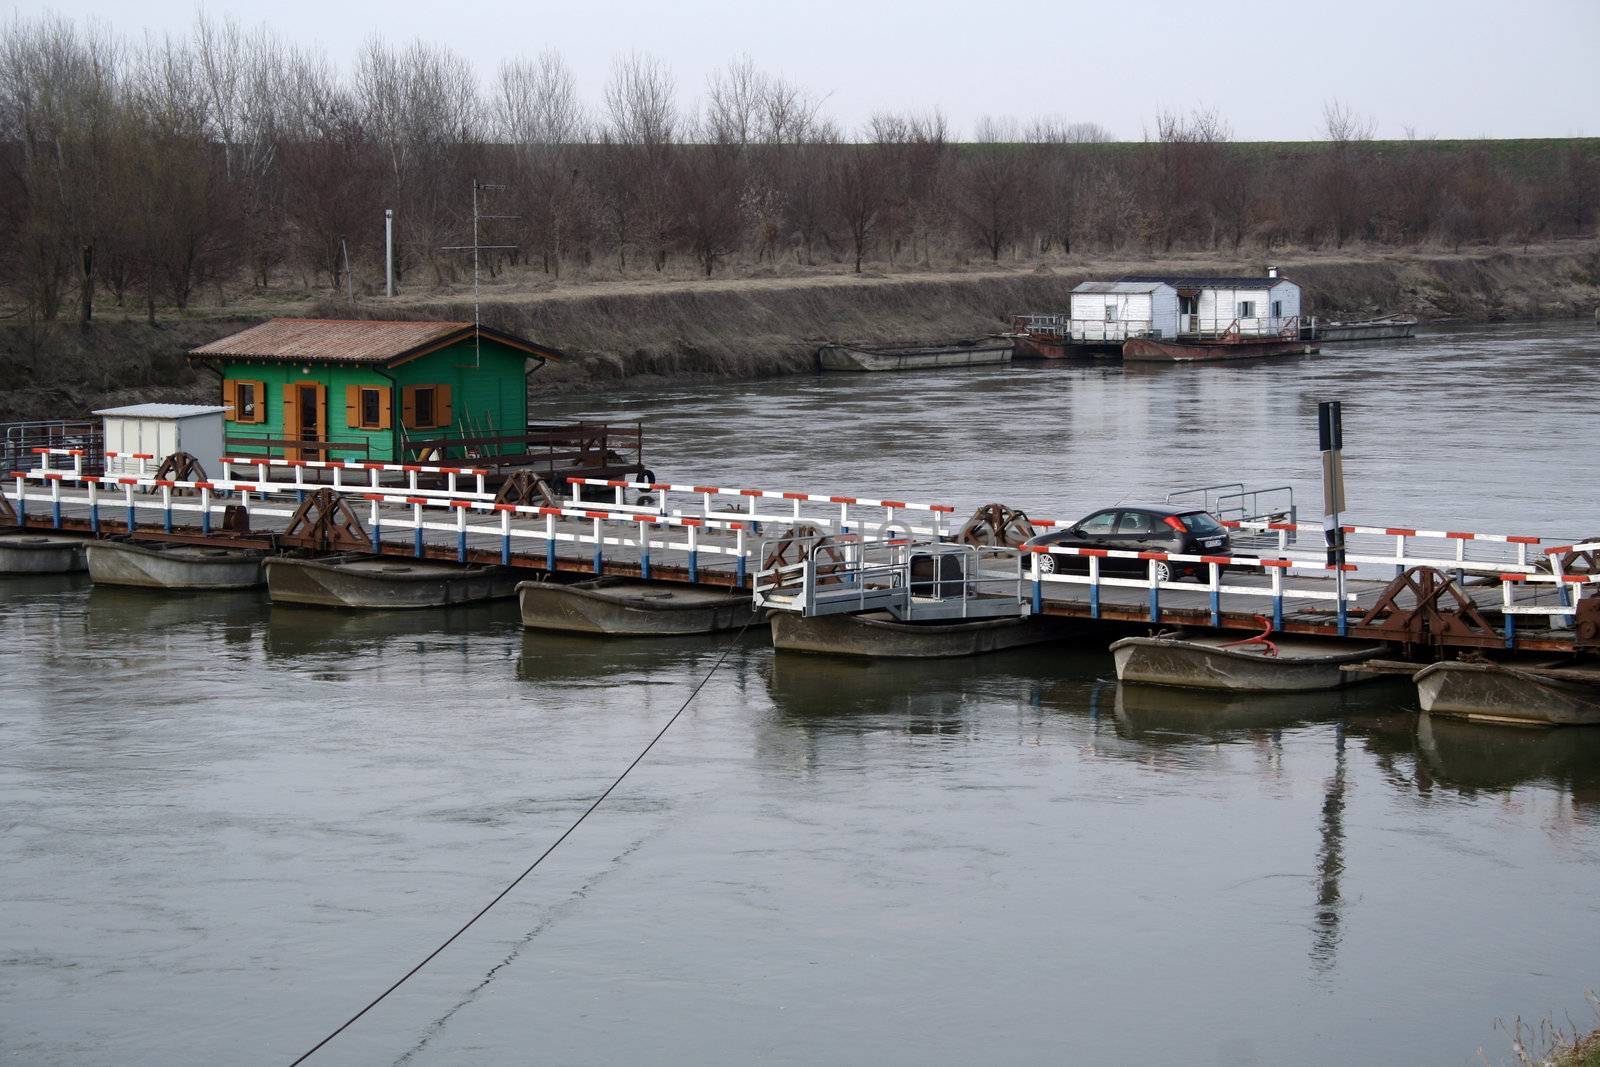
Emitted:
pixel 371 408
pixel 1247 309
pixel 245 394
pixel 1111 313
pixel 1277 309
pixel 425 406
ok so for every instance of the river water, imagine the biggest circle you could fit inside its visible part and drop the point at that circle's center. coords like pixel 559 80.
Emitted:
pixel 226 825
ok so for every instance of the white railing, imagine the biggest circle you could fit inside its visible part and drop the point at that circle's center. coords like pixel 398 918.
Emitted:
pixel 830 512
pixel 1093 330
pixel 1290 326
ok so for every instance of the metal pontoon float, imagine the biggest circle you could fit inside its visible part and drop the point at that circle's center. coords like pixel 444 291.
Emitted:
pixel 173 566
pixel 30 553
pixel 1214 661
pixel 843 357
pixel 1524 695
pixel 377 583
pixel 619 608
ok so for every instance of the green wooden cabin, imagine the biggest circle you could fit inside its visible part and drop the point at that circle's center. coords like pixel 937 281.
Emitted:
pixel 371 390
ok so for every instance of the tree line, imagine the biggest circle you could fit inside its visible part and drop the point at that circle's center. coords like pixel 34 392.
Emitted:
pixel 145 173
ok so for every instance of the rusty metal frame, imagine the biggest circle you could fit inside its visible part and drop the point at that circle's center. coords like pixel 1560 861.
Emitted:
pixel 181 467
pixel 526 487
pixel 324 521
pixel 1442 614
pixel 996 526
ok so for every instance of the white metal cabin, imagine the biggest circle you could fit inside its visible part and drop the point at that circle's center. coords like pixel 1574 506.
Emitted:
pixel 1213 306
pixel 1115 311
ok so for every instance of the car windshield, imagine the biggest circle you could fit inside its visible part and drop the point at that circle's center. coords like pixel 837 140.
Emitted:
pixel 1198 522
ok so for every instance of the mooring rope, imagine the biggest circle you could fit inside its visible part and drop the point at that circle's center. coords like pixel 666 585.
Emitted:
pixel 732 641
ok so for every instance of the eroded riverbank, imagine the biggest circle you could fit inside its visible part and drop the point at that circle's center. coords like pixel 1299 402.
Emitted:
pixel 657 330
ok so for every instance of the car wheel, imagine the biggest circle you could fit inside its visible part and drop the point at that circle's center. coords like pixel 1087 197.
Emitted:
pixel 1047 563
pixel 1163 572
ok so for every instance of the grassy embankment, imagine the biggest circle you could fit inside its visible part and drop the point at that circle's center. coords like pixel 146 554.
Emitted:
pixel 652 328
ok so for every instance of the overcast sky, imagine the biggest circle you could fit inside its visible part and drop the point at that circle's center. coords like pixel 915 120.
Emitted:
pixel 1449 68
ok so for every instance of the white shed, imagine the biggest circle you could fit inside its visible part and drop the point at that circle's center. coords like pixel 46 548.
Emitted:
pixel 1209 305
pixel 158 430
pixel 1116 311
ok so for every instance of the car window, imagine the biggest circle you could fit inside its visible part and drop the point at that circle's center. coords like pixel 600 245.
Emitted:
pixel 1199 522
pixel 1134 522
pixel 1101 523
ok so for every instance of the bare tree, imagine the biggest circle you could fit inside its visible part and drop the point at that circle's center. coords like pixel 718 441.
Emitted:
pixel 641 125
pixel 993 185
pixel 537 113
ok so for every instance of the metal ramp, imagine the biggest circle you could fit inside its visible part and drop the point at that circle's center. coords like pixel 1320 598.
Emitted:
pixel 913 579
pixel 1253 509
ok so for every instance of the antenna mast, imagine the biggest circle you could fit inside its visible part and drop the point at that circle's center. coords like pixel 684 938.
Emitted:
pixel 478 248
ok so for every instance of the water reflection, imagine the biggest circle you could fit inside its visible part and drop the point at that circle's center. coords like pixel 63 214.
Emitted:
pixel 114 614
pixel 1330 861
pixel 295 632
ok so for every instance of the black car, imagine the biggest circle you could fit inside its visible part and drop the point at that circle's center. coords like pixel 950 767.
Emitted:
pixel 1139 529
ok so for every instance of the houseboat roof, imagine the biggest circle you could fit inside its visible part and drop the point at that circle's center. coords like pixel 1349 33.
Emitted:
pixel 1126 285
pixel 354 341
pixel 1207 281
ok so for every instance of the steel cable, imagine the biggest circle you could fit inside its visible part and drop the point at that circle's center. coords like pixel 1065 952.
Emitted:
pixel 734 640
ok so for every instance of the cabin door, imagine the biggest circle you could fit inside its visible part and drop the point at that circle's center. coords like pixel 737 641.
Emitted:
pixel 305 411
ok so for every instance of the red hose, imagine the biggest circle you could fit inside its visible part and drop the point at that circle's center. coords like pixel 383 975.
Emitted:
pixel 1260 639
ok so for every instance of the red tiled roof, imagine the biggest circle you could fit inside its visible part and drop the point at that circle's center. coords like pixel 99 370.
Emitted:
pixel 350 341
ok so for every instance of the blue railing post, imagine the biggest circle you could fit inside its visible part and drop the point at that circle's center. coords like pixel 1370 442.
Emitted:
pixel 130 517
pixel 416 541
pixel 505 550
pixel 55 513
pixel 377 539
pixel 739 573
pixel 599 561
pixel 1511 631
pixel 550 555
pixel 694 565
pixel 461 546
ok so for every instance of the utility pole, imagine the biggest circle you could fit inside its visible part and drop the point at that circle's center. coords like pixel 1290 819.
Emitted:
pixel 349 276
pixel 388 251
pixel 477 248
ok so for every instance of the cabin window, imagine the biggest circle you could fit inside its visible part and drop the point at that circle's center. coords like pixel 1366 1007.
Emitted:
pixel 246 401
pixel 1277 309
pixel 366 407
pixel 1111 313
pixel 425 407
pixel 1247 309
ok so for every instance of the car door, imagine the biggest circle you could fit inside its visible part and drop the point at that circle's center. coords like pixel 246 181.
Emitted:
pixel 1095 531
pixel 1134 531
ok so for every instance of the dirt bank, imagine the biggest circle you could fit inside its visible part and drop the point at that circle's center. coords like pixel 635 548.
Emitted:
pixel 646 329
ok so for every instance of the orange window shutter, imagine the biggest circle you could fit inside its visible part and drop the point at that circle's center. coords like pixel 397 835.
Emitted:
pixel 261 401
pixel 352 406
pixel 442 414
pixel 230 400
pixel 291 411
pixel 408 407
pixel 385 403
